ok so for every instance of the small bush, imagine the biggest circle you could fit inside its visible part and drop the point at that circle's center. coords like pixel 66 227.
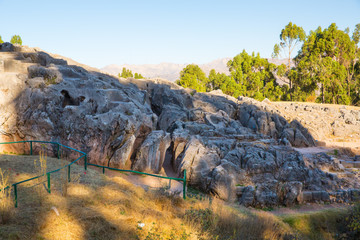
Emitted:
pixel 311 98
pixel 157 233
pixel 353 223
pixel 50 80
pixel 204 217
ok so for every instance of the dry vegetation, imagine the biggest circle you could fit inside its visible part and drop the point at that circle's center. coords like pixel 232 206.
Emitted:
pixel 100 207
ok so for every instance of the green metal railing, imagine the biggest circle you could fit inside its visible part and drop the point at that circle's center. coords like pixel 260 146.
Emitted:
pixel 148 174
pixel 84 155
pixel 48 174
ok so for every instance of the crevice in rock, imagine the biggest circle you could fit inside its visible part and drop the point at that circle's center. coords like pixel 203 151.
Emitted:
pixel 144 131
pixel 168 162
pixel 68 100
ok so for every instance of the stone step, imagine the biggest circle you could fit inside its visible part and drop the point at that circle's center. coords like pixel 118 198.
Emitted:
pixel 349 195
pixel 15 66
pixel 350 164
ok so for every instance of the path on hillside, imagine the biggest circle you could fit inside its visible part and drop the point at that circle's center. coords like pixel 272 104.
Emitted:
pixel 313 150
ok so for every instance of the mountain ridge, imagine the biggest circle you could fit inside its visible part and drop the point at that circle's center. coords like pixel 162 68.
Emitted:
pixel 171 71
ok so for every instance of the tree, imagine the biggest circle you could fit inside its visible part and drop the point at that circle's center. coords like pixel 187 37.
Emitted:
pixel 16 39
pixel 138 76
pixel 253 77
pixel 328 58
pixel 126 73
pixel 290 37
pixel 193 77
pixel 356 34
pixel 1 41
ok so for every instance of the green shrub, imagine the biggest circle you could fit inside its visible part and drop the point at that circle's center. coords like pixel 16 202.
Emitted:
pixel 16 39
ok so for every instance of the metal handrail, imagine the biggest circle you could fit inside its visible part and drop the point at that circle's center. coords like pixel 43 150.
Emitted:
pixel 14 185
pixel 143 173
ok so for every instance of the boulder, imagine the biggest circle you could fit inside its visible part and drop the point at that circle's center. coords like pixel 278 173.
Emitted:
pixel 6 47
pixel 121 157
pixel 248 196
pixel 199 162
pixel 151 155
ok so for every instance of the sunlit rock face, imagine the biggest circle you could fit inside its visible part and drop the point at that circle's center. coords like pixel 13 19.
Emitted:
pixel 236 149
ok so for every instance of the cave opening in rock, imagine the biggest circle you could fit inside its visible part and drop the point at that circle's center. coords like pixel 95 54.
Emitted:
pixel 168 162
pixel 68 100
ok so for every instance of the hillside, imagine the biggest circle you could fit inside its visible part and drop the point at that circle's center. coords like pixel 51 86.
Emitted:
pixel 239 150
pixel 169 71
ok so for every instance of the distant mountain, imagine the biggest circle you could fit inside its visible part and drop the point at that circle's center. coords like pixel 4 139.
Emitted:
pixel 171 71
pixel 277 61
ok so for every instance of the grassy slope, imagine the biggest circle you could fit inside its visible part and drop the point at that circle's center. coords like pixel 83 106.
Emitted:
pixel 97 207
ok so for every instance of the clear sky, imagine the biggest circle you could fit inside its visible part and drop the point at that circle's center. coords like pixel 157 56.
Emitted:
pixel 98 33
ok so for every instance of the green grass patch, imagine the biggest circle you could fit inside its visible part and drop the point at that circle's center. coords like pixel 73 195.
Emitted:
pixel 320 225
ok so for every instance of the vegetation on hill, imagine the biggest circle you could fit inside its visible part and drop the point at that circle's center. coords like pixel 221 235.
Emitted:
pixel 250 75
pixel 126 73
pixel 16 39
pixel 327 69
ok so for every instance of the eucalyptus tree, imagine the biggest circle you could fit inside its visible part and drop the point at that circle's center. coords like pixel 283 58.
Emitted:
pixel 290 37
pixel 328 57
pixel 255 77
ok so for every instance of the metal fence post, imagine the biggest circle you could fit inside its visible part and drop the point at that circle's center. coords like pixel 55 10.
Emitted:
pixel 85 164
pixel 48 182
pixel 15 195
pixel 58 151
pixel 103 170
pixel 184 185
pixel 69 177
pixel 31 150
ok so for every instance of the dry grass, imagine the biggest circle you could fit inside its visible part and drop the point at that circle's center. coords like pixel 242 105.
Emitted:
pixel 99 207
pixel 6 203
pixel 40 165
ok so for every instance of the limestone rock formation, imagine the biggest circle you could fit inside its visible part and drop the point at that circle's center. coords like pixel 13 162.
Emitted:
pixel 237 149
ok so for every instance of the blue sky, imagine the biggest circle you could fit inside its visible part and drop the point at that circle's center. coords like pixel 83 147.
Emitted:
pixel 98 33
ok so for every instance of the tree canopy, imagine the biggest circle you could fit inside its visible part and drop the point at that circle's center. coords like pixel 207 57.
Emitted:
pixel 16 39
pixel 193 77
pixel 327 69
pixel 250 75
pixel 328 60
pixel 126 73
pixel 1 41
pixel 290 37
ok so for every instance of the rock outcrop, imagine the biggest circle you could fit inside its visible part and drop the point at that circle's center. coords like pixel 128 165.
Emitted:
pixel 237 149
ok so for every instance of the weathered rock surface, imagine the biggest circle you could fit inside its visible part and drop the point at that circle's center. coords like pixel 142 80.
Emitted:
pixel 237 149
pixel 151 155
